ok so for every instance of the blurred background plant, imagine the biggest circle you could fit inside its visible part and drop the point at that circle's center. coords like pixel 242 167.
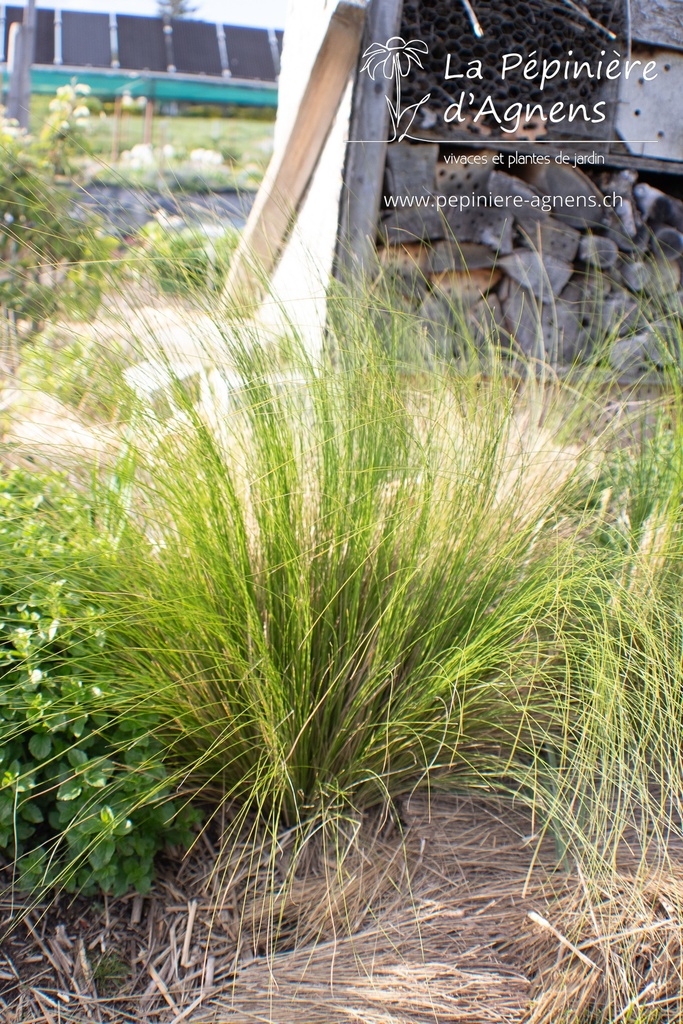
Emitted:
pixel 52 258
pixel 64 131
pixel 185 258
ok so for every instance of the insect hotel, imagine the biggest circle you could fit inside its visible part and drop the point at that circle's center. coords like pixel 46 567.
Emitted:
pixel 515 162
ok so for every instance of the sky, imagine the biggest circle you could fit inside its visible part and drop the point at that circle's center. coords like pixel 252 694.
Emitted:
pixel 255 13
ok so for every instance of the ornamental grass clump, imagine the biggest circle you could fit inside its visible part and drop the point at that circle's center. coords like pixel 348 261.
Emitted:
pixel 344 585
pixel 326 584
pixel 354 577
pixel 333 581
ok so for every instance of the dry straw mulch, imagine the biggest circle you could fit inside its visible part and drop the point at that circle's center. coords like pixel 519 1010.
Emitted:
pixel 461 918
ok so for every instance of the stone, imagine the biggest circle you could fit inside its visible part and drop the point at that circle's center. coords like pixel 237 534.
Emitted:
pixel 507 186
pixel 674 304
pixel 637 244
pixel 586 288
pixel 449 255
pixel 481 224
pixel 623 223
pixel 551 332
pixel 646 196
pixel 664 277
pixel 551 238
pixel 598 251
pixel 585 297
pixel 669 332
pixel 639 352
pixel 411 169
pixel 440 319
pixel 453 331
pixel 570 339
pixel 576 201
pixel 497 237
pixel 410 225
pixel 465 287
pixel 635 275
pixel 506 286
pixel 544 276
pixel 668 242
pixel 486 320
pixel 619 313
pixel 621 182
pixel 627 223
pixel 657 207
pixel 523 322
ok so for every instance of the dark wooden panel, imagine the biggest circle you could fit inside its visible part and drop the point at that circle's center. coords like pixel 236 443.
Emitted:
pixel 85 39
pixel 141 43
pixel 44 52
pixel 249 53
pixel 195 47
pixel 45 32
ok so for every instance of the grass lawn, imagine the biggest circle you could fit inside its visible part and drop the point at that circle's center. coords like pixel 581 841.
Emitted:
pixel 244 142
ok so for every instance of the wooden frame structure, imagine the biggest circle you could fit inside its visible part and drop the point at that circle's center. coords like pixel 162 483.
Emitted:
pixel 333 105
pixel 317 213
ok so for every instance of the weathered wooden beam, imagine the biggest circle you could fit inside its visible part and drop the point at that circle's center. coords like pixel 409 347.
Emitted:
pixel 291 168
pixel 366 151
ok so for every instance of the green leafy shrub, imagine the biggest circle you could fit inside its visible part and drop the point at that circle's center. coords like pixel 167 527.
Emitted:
pixel 84 797
pixel 82 372
pixel 51 259
pixel 187 259
pixel 63 134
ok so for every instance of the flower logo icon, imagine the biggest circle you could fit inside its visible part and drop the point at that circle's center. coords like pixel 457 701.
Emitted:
pixel 394 60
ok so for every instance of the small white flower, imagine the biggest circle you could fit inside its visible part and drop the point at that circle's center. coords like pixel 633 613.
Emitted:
pixel 206 156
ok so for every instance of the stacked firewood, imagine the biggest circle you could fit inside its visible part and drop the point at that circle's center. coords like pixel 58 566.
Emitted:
pixel 555 264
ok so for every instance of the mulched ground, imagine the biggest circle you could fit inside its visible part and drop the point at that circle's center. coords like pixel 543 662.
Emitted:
pixel 432 926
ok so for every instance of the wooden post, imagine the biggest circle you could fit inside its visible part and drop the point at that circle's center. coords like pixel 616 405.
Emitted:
pixel 149 121
pixel 125 123
pixel 19 99
pixel 364 167
pixel 116 133
pixel 290 170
